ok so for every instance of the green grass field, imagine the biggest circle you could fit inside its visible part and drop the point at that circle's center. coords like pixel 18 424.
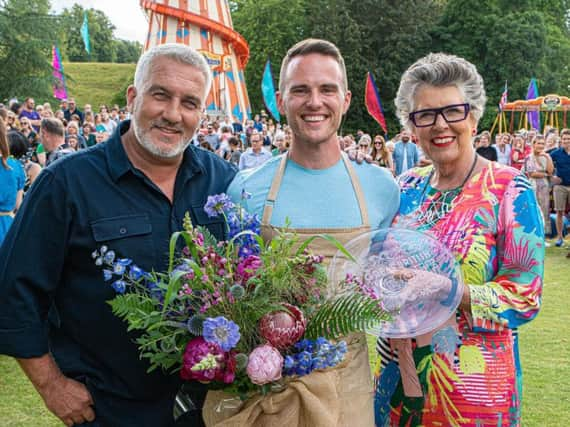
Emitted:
pixel 96 83
pixel 545 350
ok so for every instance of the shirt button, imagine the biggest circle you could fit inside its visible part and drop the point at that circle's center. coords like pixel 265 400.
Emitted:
pixel 122 230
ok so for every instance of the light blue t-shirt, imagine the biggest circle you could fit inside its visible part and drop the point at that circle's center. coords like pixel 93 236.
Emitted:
pixel 319 198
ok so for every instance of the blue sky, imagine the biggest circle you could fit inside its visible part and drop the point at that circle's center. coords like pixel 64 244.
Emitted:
pixel 126 15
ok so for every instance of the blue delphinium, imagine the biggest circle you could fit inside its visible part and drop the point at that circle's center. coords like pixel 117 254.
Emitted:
pixel 311 355
pixel 221 331
pixel 218 204
pixel 119 286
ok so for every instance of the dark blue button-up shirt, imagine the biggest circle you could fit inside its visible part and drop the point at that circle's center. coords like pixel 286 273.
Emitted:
pixel 93 198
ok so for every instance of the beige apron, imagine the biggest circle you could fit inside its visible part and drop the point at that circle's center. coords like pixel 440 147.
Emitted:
pixel 340 397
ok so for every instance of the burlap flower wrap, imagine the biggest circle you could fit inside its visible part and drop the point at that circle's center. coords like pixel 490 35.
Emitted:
pixel 337 397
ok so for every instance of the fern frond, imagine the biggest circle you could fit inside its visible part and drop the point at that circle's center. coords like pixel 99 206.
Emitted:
pixel 344 315
pixel 125 305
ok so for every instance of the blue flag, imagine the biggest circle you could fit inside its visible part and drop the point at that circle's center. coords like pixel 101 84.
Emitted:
pixel 532 93
pixel 85 33
pixel 268 92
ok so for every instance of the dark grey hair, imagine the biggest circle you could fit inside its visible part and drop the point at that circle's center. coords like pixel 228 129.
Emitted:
pixel 178 52
pixel 440 69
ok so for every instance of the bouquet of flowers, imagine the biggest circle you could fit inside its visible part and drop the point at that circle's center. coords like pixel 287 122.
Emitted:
pixel 241 315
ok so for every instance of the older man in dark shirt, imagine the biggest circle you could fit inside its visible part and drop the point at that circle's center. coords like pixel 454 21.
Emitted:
pixel 129 193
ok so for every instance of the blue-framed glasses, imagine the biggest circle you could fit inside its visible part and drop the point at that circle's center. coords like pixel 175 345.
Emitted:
pixel 450 113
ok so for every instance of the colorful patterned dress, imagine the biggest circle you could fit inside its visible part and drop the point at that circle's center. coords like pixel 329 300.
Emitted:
pixel 469 370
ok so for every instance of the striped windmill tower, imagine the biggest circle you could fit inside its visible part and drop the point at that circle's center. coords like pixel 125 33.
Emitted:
pixel 205 25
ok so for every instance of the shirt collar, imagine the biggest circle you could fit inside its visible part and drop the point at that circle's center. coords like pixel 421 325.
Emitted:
pixel 119 164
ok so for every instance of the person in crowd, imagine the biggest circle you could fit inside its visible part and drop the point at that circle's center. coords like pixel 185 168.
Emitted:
pixel 12 121
pixel 235 153
pixel 107 124
pixel 88 133
pixel 315 187
pixel 212 138
pixel 73 142
pixel 12 181
pixel 539 168
pixel 130 193
pixel 519 151
pixel 19 150
pixel 237 126
pixel 485 149
pixel 255 155
pixel 487 215
pixel 28 132
pixel 29 111
pixel 503 148
pixel 101 137
pixel 405 153
pixel 364 144
pixel 73 130
pixel 281 145
pixel 552 142
pixel 561 191
pixel 72 110
pixel 381 156
pixel 52 134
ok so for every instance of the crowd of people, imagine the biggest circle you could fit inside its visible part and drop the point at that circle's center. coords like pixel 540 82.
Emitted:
pixel 133 192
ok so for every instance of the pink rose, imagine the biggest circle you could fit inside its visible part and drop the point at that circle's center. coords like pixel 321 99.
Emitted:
pixel 264 365
pixel 247 268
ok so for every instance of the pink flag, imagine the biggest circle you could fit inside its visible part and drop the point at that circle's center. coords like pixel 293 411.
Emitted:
pixel 59 89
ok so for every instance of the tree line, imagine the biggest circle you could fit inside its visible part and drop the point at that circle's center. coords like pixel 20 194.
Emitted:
pixel 27 33
pixel 506 40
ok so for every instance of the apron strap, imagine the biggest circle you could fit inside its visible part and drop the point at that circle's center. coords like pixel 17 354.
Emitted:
pixel 273 191
pixel 357 190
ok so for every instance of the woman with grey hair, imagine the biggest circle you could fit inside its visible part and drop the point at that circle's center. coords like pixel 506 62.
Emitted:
pixel 466 371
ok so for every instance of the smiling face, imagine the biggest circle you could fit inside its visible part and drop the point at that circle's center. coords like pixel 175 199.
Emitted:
pixel 313 99
pixel 166 112
pixel 444 143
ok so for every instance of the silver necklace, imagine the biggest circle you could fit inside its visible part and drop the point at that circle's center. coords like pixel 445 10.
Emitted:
pixel 442 201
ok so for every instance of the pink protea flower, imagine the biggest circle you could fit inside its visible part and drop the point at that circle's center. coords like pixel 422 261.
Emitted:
pixel 282 329
pixel 247 268
pixel 264 365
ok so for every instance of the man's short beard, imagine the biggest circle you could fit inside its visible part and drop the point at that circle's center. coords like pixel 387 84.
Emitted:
pixel 146 142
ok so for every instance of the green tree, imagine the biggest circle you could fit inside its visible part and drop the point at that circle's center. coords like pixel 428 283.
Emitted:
pixel 127 51
pixel 103 47
pixel 27 34
pixel 270 27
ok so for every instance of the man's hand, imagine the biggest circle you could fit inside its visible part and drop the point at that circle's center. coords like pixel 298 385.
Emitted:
pixel 358 156
pixel 69 400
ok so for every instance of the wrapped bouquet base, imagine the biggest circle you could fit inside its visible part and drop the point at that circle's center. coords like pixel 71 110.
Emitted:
pixel 336 397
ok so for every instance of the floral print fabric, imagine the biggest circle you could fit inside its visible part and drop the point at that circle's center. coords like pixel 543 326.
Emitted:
pixel 469 369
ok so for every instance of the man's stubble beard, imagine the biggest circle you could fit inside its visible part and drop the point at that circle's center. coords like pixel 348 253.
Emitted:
pixel 145 140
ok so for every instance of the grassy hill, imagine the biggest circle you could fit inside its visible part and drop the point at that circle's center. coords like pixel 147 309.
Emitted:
pixel 97 83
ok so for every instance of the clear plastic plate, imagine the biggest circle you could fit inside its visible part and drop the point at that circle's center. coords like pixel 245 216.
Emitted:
pixel 415 277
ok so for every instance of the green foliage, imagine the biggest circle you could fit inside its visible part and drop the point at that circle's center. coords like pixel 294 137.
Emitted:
pixel 127 51
pixel 103 48
pixel 27 34
pixel 344 315
pixel 270 27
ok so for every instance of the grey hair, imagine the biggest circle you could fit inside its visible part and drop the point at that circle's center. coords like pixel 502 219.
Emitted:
pixel 440 69
pixel 178 52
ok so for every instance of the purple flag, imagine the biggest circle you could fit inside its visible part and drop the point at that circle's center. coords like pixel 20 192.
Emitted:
pixel 532 93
